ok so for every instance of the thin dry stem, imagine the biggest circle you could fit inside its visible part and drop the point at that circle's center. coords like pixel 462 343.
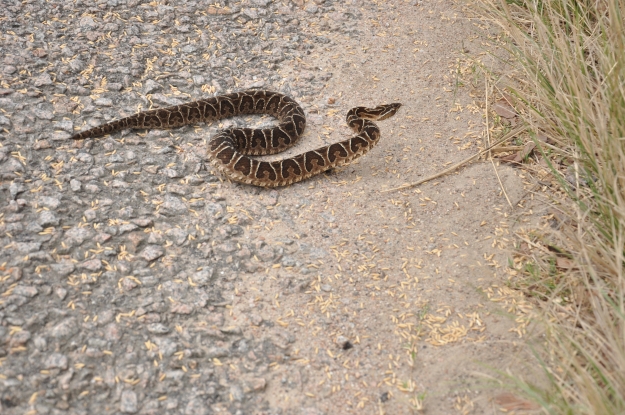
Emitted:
pixel 459 164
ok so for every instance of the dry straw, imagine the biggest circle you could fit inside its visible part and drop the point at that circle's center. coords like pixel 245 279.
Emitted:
pixel 570 62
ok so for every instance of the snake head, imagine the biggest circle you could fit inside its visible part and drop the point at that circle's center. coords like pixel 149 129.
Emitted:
pixel 388 110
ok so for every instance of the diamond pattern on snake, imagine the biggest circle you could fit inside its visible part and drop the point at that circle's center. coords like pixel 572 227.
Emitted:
pixel 230 150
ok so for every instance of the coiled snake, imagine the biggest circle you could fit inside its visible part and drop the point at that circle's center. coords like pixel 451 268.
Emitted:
pixel 230 149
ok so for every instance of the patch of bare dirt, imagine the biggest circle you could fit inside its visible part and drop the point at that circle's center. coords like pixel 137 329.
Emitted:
pixel 409 308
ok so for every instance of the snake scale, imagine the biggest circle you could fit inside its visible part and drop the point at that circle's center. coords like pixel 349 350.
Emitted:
pixel 230 149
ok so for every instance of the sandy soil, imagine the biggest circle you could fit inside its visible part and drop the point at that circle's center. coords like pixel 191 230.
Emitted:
pixel 414 280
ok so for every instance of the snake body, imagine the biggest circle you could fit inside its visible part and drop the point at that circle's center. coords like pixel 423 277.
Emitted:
pixel 230 149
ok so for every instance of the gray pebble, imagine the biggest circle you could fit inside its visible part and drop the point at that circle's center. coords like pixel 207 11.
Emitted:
pixel 75 185
pixel 64 268
pixel 204 276
pixel 5 122
pixel 103 102
pixel 28 247
pixel 15 189
pixel 158 328
pixel 64 329
pixel 42 80
pixel 65 125
pixel 61 293
pixel 128 402
pixel 25 291
pixel 47 218
pixel 173 205
pixel 196 406
pixel 76 236
pixel 56 361
pixel 49 202
pixel 152 252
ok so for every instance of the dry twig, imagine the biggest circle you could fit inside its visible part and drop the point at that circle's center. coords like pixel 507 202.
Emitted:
pixel 459 164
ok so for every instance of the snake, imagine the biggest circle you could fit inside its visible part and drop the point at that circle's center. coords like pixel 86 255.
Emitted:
pixel 230 149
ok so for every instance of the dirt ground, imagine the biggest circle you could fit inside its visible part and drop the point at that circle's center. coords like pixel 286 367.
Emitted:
pixel 135 280
pixel 414 280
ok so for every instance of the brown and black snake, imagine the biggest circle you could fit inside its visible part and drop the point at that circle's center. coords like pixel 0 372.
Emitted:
pixel 230 149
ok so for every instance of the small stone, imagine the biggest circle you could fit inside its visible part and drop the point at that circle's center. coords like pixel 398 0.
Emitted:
pixel 155 238
pixel 42 80
pixel 56 361
pixel 11 166
pixel 204 276
pixel 181 308
pixel 251 13
pixel 102 237
pixel 196 406
pixel 152 252
pixel 65 125
pixel 114 86
pixel 136 239
pixel 28 247
pixel 75 185
pixel 91 265
pixel 158 328
pixel 61 293
pixel 152 169
pixel 119 184
pixel 142 222
pixel 93 35
pixel 236 393
pixel 266 253
pixel 87 22
pixel 42 145
pixel 92 188
pixel 103 102
pixel 256 319
pixel 151 86
pixel 63 269
pixel 9 69
pixel 25 291
pixel 112 332
pixel 128 283
pixel 128 402
pixel 15 189
pixel 177 189
pixel 127 227
pixel 5 122
pixel 47 218
pixel 179 235
pixel 252 384
pixel 90 215
pixel 76 236
pixel 60 136
pixel 173 206
pixel 65 329
pixel 232 330
pixel 172 173
pixel 19 338
pixel 228 248
pixel 49 202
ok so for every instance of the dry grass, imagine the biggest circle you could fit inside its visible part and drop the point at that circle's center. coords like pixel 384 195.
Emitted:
pixel 571 57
